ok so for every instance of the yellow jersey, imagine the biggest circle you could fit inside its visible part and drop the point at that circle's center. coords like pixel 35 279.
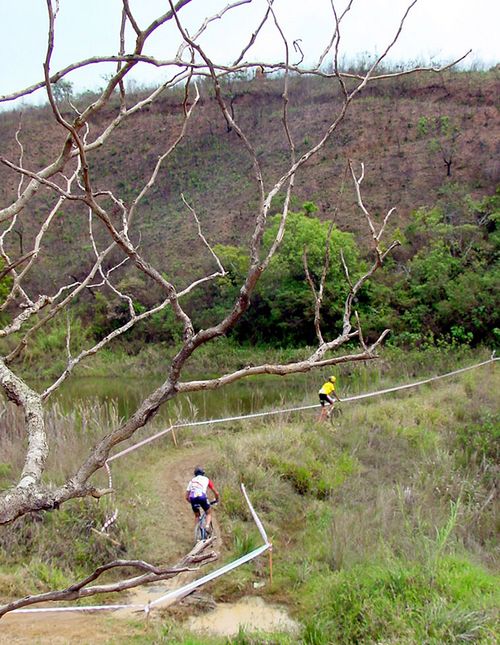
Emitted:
pixel 327 388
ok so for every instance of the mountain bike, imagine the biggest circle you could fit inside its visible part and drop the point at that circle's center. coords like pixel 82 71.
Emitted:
pixel 334 414
pixel 201 531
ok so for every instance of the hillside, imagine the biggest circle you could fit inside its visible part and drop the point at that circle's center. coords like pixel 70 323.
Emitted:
pixel 384 526
pixel 401 129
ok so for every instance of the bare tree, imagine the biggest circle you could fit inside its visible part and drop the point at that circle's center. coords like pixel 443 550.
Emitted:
pixel 70 178
pixel 201 554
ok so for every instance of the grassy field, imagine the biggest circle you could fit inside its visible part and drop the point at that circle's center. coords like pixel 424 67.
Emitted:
pixel 385 527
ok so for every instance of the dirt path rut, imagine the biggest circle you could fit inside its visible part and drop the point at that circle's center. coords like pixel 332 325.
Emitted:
pixel 172 521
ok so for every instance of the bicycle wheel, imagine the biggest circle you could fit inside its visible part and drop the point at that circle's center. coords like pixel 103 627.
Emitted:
pixel 334 415
pixel 199 530
pixel 209 531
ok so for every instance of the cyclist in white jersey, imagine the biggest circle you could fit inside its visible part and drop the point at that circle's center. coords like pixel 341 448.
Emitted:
pixel 196 494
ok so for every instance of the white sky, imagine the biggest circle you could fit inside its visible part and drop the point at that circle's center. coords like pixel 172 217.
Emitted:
pixel 436 29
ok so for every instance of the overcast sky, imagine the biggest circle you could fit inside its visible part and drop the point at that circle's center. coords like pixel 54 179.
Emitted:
pixel 436 29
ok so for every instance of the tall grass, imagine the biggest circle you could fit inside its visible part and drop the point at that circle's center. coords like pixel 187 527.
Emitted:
pixel 43 551
pixel 398 541
pixel 397 601
pixel 71 434
pixel 384 529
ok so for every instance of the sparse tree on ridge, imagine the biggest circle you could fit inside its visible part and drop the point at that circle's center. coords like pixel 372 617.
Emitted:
pixel 70 177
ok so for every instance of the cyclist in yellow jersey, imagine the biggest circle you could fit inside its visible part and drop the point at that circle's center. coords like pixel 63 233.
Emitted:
pixel 326 394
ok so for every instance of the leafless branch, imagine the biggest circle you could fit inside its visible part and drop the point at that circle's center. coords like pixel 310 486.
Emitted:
pixel 16 287
pixel 207 21
pixel 21 157
pixel 336 35
pixel 254 36
pixel 307 365
pixel 200 68
pixel 319 293
pixel 221 271
pixel 70 177
pixel 197 557
pixel 135 26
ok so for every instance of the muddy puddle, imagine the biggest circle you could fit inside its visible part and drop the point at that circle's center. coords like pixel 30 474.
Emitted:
pixel 252 614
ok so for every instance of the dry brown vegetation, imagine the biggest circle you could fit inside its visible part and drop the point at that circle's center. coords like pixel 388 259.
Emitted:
pixel 381 128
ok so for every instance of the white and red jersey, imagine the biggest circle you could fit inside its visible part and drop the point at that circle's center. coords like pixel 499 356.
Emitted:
pixel 199 485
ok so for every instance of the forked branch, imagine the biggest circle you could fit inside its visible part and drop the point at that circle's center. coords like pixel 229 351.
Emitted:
pixel 197 557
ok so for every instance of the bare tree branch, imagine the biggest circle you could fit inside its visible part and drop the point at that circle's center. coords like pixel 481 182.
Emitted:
pixel 197 557
pixel 70 177
pixel 318 294
pixel 335 37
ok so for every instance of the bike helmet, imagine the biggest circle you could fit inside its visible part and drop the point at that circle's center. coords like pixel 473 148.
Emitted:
pixel 333 379
pixel 198 471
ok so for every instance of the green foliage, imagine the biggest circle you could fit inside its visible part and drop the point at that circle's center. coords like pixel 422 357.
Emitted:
pixel 47 347
pixel 446 293
pixel 244 542
pixel 40 542
pixel 62 90
pixel 49 576
pixel 357 559
pixel 480 442
pixel 449 289
pixel 282 310
pixel 309 208
pixel 311 475
pixel 278 203
pixel 5 284
pixel 400 602
pixel 382 556
pixel 423 126
pixel 5 473
pixel 284 299
pixel 441 288
pixel 257 638
pixel 443 133
pixel 106 312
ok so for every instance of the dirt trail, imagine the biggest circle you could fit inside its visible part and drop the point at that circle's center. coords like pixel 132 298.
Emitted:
pixel 170 483
pixel 173 522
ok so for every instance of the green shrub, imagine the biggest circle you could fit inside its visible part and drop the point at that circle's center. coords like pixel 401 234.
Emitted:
pixel 399 602
pixel 480 441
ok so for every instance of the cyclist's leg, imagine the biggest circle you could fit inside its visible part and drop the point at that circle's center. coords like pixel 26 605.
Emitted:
pixel 335 414
pixel 323 413
pixel 199 519
pixel 199 531
pixel 205 504
pixel 329 412
pixel 195 505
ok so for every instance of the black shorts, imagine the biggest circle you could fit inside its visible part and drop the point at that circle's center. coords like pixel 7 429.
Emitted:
pixel 197 502
pixel 324 398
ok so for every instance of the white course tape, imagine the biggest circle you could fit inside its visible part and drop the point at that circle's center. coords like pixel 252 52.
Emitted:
pixel 85 608
pixel 256 518
pixel 183 591
pixel 175 593
pixel 254 415
pixel 140 444
pixel 417 383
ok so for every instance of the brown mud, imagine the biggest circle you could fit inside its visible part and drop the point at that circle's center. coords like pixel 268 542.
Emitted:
pixel 174 527
pixel 169 481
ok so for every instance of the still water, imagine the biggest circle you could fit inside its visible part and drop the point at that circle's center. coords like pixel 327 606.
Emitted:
pixel 253 394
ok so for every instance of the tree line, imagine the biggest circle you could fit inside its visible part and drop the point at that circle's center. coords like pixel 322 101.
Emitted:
pixel 440 286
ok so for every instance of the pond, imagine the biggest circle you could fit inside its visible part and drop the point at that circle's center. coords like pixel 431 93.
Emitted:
pixel 249 395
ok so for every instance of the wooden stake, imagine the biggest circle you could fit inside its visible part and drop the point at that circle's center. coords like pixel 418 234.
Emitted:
pixel 271 564
pixel 106 536
pixel 174 437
